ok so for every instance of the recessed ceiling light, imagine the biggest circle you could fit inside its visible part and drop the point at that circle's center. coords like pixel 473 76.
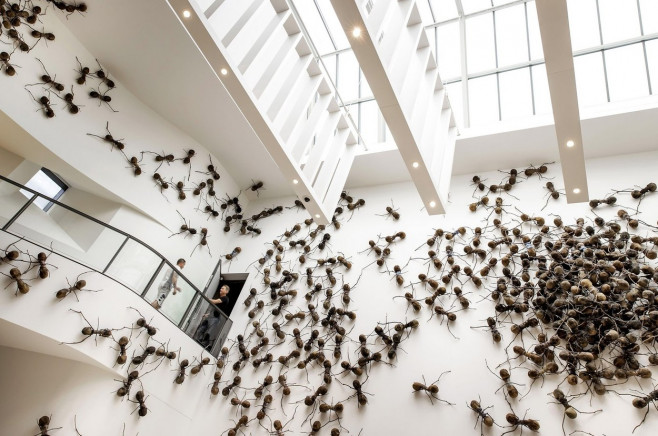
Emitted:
pixel 356 32
pixel 432 203
pixel 224 71
pixel 576 191
pixel 187 14
pixel 295 181
pixel 317 215
pixel 570 143
pixel 415 164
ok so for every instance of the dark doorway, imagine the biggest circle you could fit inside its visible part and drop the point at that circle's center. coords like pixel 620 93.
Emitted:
pixel 235 282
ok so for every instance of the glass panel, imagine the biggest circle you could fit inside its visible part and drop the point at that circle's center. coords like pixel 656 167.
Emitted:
pixel 336 30
pixel 348 76
pixel 366 92
pixel 11 201
pixel 43 184
pixel 425 13
pixel 619 20
pixel 480 50
pixel 536 50
pixel 583 24
pixel 207 326
pixel 134 266
pixel 444 9
pixel 511 38
pixel 627 74
pixel 448 50
pixel 590 80
pixel 368 123
pixel 649 10
pixel 313 23
pixel 476 5
pixel 652 60
pixel 515 94
pixel 330 64
pixel 171 293
pixel 456 102
pixel 70 234
pixel 483 100
pixel 540 87
pixel 501 2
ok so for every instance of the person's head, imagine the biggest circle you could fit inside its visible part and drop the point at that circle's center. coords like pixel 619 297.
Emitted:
pixel 223 291
pixel 181 263
pixel 215 314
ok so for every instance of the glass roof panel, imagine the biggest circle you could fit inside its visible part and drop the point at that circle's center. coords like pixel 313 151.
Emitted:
pixel 331 20
pixel 652 61
pixel 534 36
pixel 590 79
pixel 619 20
pixel 649 10
pixel 511 37
pixel 483 100
pixel 425 12
pixel 444 10
pixel 448 54
pixel 583 24
pixel 471 6
pixel 314 26
pixel 542 96
pixel 481 53
pixel 515 94
pixel 627 77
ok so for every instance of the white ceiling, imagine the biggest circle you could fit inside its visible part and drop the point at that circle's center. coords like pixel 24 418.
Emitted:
pixel 146 48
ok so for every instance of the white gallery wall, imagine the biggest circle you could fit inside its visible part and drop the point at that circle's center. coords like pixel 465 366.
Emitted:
pixel 62 144
pixel 47 375
pixel 433 348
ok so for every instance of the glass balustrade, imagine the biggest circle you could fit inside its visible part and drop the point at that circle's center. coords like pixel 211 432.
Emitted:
pixel 117 255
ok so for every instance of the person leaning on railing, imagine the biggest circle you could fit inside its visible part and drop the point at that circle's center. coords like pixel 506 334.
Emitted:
pixel 168 285
pixel 223 297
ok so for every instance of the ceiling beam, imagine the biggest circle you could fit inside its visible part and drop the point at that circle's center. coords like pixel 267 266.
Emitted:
pixel 556 42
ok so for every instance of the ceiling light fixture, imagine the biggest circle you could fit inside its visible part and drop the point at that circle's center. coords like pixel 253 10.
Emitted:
pixel 224 71
pixel 356 32
pixel 187 14
pixel 317 215
pixel 295 181
pixel 576 191
pixel 432 203
pixel 570 143
pixel 415 164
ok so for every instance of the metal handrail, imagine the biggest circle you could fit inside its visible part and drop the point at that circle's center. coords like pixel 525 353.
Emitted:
pixel 35 194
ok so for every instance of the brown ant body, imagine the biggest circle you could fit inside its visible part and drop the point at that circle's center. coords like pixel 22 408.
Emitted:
pixel 515 421
pixel 115 143
pixel 430 390
pixel 10 70
pixel 134 163
pixel 44 425
pixel 102 97
pixel 68 100
pixel 45 104
pixel 16 276
pixel 127 384
pixel 78 285
pixel 482 414
pixel 90 331
pixel 140 398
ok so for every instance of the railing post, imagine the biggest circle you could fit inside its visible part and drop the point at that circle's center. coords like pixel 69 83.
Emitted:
pixel 155 274
pixel 20 212
pixel 115 255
